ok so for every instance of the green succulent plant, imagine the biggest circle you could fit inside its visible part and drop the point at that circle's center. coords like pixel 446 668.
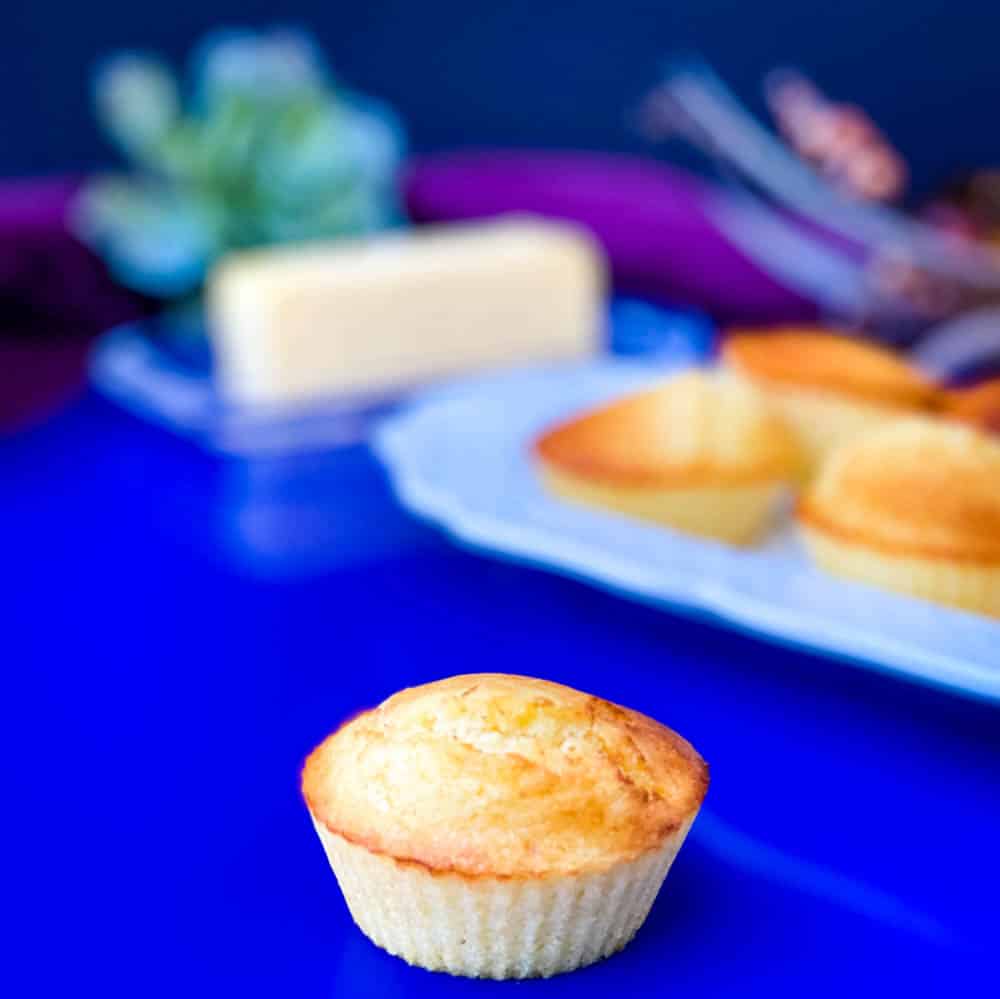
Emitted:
pixel 265 149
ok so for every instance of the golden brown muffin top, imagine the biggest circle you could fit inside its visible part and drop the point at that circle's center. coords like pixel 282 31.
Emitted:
pixel 917 487
pixel 504 776
pixel 978 406
pixel 698 429
pixel 812 357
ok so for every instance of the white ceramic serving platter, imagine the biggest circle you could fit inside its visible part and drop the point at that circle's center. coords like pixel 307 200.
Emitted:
pixel 459 456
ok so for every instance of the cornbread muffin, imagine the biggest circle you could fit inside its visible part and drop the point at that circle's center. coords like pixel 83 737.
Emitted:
pixel 501 827
pixel 830 387
pixel 703 453
pixel 978 406
pixel 915 507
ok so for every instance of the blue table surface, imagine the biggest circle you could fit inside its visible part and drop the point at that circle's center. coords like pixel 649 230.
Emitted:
pixel 181 629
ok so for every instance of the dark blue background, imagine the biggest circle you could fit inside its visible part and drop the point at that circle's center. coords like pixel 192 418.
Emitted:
pixel 524 72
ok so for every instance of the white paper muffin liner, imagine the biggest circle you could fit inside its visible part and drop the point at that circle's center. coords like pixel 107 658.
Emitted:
pixel 485 927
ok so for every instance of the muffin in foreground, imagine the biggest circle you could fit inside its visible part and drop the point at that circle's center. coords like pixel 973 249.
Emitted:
pixel 915 508
pixel 830 387
pixel 703 453
pixel 500 826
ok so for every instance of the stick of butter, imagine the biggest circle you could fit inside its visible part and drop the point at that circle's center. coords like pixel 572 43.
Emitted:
pixel 361 318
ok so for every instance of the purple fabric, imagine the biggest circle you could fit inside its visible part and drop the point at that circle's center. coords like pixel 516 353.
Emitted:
pixel 650 219
pixel 38 376
pixel 54 295
pixel 49 282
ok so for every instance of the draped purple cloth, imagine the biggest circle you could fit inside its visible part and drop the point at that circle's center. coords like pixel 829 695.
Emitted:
pixel 49 282
pixel 54 296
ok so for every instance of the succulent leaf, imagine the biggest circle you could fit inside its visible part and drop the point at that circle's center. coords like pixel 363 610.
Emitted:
pixel 268 151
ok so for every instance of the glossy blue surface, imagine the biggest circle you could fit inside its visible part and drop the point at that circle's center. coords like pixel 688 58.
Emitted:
pixel 180 630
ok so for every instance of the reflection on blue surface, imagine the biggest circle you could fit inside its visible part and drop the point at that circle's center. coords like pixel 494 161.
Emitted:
pixel 289 516
pixel 763 860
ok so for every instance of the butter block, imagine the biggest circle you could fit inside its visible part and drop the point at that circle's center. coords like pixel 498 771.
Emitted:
pixel 368 317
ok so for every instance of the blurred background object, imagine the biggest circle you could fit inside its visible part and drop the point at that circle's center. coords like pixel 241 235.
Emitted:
pixel 978 406
pixel 305 324
pixel 257 146
pixel 815 213
pixel 839 140
pixel 258 143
